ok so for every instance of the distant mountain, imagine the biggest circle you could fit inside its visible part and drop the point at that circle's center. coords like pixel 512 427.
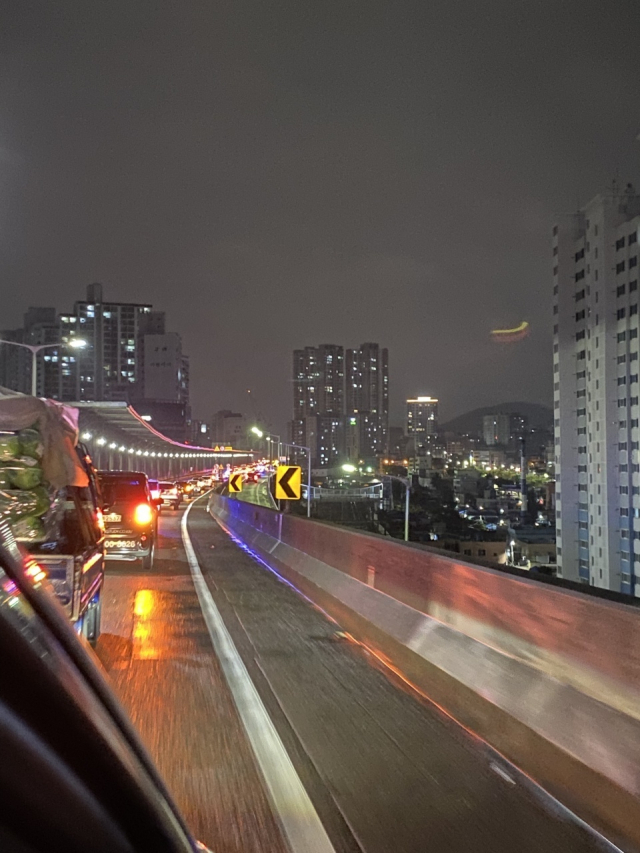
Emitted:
pixel 471 422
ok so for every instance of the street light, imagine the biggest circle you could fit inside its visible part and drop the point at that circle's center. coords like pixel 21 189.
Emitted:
pixel 308 450
pixel 269 437
pixel 350 469
pixel 34 349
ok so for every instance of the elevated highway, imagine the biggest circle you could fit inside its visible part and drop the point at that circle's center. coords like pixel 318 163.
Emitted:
pixel 310 688
pixel 119 438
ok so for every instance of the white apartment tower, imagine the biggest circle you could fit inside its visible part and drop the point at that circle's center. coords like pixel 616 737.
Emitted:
pixel 596 390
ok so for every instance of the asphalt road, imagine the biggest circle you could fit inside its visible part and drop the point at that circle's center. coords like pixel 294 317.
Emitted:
pixel 385 770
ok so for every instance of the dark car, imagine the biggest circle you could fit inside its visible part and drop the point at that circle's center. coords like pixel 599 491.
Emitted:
pixel 130 517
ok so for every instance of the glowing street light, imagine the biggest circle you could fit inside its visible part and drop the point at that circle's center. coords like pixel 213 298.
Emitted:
pixel 34 349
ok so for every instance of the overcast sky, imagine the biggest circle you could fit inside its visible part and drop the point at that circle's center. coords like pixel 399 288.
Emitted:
pixel 281 174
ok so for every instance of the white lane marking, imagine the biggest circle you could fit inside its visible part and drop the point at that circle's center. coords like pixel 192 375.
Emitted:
pixel 299 820
pixel 502 773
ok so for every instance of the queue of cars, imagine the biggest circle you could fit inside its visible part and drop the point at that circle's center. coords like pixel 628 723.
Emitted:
pixel 74 775
pixel 131 505
pixel 251 473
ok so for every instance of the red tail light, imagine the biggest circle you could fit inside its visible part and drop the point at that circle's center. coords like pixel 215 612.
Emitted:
pixel 143 514
pixel 35 571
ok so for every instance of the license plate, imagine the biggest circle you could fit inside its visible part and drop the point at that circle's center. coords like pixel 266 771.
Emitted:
pixel 120 543
pixel 113 516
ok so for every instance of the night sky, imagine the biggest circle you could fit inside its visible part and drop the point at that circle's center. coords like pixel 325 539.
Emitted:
pixel 282 174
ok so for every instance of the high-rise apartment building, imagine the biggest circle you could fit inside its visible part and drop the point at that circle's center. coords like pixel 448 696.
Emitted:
pixel 367 400
pixel 40 326
pixel 422 431
pixel 341 405
pixel 422 420
pixel 318 401
pixel 596 392
pixel 128 357
pixel 496 429
pixel 110 365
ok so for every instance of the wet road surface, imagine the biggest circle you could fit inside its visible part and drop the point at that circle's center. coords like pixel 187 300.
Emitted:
pixel 384 769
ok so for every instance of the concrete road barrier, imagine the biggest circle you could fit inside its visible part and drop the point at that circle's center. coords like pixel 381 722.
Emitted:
pixel 549 677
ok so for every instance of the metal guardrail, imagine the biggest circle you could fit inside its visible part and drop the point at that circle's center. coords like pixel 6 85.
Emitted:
pixel 373 493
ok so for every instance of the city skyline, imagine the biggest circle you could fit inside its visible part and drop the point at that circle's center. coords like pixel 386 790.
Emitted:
pixel 320 445
pixel 408 198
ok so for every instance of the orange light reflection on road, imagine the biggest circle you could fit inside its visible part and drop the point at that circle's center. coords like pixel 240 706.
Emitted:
pixel 143 606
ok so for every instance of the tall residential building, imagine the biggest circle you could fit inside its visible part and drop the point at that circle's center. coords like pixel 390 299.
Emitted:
pixel 40 326
pixel 341 406
pixel 496 429
pixel 318 402
pixel 110 365
pixel 596 392
pixel 367 400
pixel 422 421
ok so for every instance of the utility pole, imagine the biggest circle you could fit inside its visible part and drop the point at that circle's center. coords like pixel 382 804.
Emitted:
pixel 523 480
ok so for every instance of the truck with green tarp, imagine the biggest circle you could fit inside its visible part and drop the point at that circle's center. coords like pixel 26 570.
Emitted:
pixel 49 499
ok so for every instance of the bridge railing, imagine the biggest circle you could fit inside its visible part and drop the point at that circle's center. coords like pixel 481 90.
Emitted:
pixel 372 493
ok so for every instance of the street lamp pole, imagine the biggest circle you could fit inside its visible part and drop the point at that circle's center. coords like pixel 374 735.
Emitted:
pixel 269 439
pixel 281 444
pixel 406 510
pixel 308 450
pixel 34 349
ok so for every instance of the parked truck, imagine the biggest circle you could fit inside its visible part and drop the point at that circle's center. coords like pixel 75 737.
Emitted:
pixel 49 496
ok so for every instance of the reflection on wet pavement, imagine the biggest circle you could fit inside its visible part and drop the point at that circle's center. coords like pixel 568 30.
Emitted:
pixel 156 648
